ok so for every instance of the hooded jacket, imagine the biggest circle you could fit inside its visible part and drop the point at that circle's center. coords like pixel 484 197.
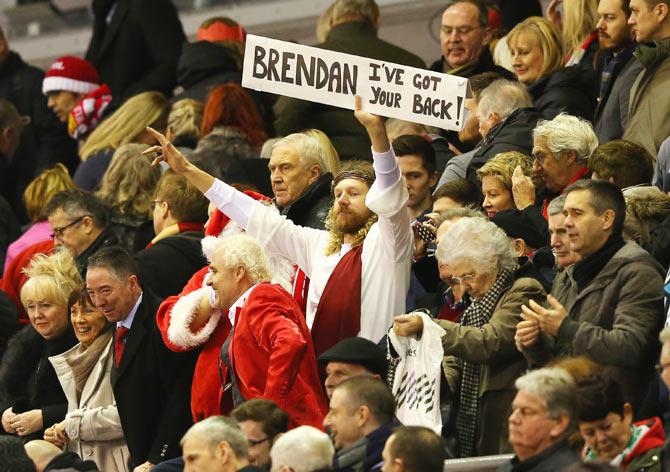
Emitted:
pixel 570 90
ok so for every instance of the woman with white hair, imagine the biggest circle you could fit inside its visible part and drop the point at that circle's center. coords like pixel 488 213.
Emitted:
pixel 481 362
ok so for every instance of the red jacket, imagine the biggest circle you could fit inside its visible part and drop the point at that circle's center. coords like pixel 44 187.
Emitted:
pixel 173 317
pixel 273 356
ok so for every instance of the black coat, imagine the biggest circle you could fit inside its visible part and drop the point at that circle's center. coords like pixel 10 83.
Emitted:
pixel 311 209
pixel 515 133
pixel 555 458
pixel 346 133
pixel 90 172
pixel 44 140
pixel 570 90
pixel 167 266
pixel 9 323
pixel 139 49
pixel 27 378
pixel 152 388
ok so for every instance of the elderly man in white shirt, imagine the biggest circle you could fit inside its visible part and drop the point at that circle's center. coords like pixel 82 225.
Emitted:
pixel 359 269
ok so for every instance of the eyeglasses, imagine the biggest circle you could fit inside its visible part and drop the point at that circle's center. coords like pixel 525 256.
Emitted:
pixel 155 202
pixel 460 30
pixel 58 232
pixel 661 367
pixel 256 442
pixel 462 279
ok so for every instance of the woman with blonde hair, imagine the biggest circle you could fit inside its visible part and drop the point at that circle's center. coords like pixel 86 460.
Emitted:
pixel 35 198
pixel 496 178
pixel 31 397
pixel 331 157
pixel 184 121
pixel 126 125
pixel 128 187
pixel 537 57
pixel 578 28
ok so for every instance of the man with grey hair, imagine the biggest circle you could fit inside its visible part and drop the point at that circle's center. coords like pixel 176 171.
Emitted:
pixel 543 415
pixel 269 353
pixel 506 121
pixel 303 449
pixel 561 148
pixel 216 444
pixel 353 30
pixel 300 180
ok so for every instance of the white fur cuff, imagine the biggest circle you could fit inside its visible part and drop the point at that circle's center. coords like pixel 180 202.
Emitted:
pixel 179 332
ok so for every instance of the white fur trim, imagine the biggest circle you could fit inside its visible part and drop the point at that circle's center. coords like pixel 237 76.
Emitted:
pixel 181 316
pixel 52 83
pixel 211 243
pixel 282 271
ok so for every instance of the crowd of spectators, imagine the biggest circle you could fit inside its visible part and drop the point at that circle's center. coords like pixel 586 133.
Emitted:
pixel 201 277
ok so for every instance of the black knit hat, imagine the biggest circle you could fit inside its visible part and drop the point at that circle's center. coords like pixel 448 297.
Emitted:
pixel 13 456
pixel 357 351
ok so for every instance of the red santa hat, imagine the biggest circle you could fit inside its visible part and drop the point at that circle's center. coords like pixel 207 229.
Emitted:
pixel 71 74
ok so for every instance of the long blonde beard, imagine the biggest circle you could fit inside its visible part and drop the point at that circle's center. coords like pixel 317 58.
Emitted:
pixel 336 238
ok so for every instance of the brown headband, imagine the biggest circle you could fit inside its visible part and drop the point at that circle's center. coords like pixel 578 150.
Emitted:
pixel 366 177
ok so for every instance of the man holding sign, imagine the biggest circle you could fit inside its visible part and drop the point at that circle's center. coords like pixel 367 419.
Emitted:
pixel 359 269
pixel 353 30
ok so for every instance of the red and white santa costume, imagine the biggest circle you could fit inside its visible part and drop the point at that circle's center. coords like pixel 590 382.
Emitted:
pixel 176 312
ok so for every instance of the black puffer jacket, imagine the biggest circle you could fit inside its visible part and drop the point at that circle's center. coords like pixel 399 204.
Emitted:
pixel 27 378
pixel 312 208
pixel 570 90
pixel 515 133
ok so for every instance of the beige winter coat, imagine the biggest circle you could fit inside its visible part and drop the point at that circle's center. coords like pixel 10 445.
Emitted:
pixel 92 424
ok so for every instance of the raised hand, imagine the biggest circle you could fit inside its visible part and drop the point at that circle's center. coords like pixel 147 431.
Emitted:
pixel 167 153
pixel 374 125
pixel 523 189
pixel 549 319
pixel 408 325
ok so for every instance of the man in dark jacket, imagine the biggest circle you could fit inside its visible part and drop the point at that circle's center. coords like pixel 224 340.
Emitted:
pixel 174 255
pixel 353 31
pixel 300 180
pixel 618 69
pixel 543 413
pixel 151 384
pixel 44 141
pixel 609 305
pixel 464 37
pixel 360 420
pixel 135 46
pixel 506 121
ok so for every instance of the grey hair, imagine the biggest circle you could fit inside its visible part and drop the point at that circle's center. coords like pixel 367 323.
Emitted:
pixel 243 250
pixel 555 387
pixel 556 205
pixel 503 97
pixel 366 9
pixel 309 150
pixel 217 429
pixel 303 449
pixel 479 241
pixel 664 336
pixel 568 133
pixel 456 213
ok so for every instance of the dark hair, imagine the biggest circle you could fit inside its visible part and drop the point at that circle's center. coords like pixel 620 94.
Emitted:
pixel 187 203
pixel 421 449
pixel 604 196
pixel 79 296
pixel 371 392
pixel 416 145
pixel 479 82
pixel 116 260
pixel 625 6
pixel 462 191
pixel 230 105
pixel 77 203
pixel 624 161
pixel 273 419
pixel 598 395
pixel 481 6
pixel 13 455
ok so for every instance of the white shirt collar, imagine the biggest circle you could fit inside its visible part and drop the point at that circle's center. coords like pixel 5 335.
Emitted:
pixel 128 321
pixel 239 303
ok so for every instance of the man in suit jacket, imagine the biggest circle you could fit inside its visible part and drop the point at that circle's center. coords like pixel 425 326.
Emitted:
pixel 135 46
pixel 151 384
